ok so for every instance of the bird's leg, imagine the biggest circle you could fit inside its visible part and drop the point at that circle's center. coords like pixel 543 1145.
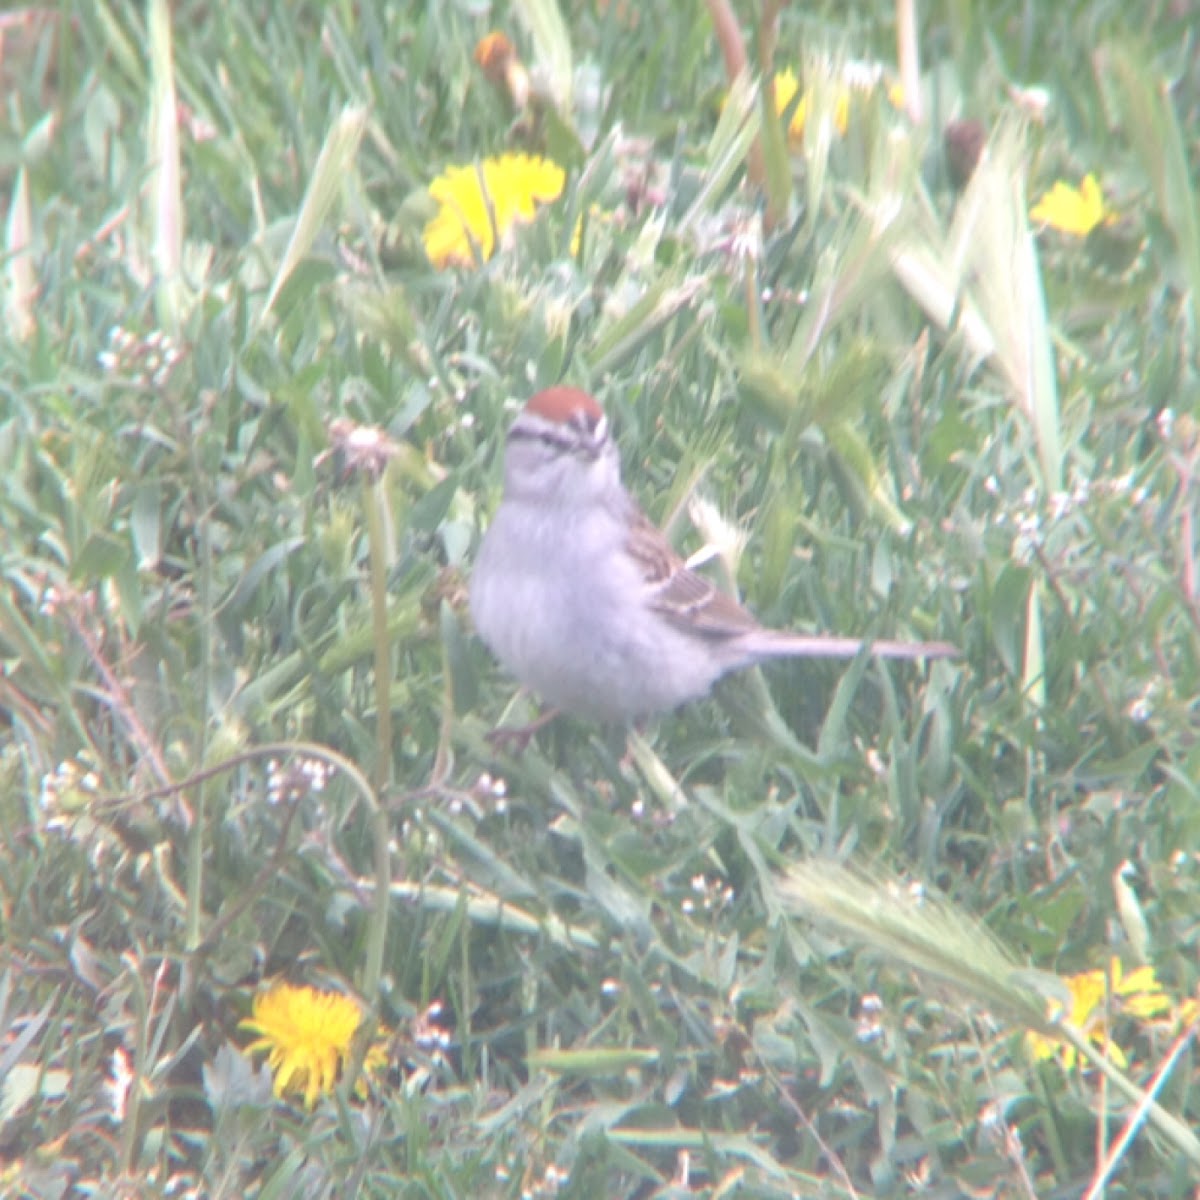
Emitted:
pixel 516 738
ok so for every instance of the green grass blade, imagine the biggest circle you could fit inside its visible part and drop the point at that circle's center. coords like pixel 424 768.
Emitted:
pixel 324 186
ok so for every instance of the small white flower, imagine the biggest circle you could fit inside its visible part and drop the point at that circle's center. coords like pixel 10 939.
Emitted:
pixel 747 241
pixel 1032 101
pixel 862 75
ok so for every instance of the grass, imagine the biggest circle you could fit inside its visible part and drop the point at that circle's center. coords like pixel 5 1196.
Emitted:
pixel 789 941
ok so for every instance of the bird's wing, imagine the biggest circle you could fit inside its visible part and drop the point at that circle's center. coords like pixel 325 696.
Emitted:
pixel 694 604
pixel 679 593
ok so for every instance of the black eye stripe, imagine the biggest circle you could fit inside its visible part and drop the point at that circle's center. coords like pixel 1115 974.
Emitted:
pixel 562 438
pixel 548 437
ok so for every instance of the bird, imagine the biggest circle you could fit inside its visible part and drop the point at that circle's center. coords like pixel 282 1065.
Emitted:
pixel 580 596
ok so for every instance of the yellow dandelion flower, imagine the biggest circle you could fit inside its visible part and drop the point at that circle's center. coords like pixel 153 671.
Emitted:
pixel 786 87
pixel 307 1035
pixel 1073 211
pixel 1087 992
pixel 1137 995
pixel 1139 991
pixel 1188 1013
pixel 481 203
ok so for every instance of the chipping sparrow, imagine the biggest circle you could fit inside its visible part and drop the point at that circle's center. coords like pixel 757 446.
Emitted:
pixel 586 602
